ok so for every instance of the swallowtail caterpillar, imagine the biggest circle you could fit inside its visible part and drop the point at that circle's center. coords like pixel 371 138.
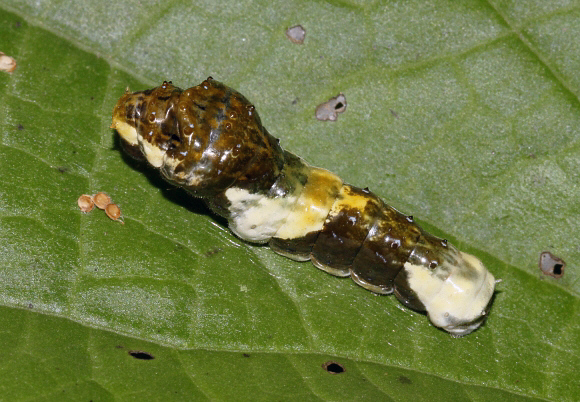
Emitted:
pixel 209 140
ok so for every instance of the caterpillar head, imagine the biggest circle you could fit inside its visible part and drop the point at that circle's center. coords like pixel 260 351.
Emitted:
pixel 204 138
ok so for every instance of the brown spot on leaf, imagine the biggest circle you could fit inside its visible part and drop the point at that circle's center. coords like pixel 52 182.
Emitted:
pixel 213 252
pixel 114 212
pixel 330 109
pixel 296 34
pixel 551 265
pixel 85 203
pixel 7 63
pixel 101 200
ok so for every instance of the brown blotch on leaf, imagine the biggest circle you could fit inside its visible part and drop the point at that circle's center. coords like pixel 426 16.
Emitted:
pixel 551 265
pixel 296 34
pixel 333 367
pixel 330 109
pixel 114 212
pixel 213 252
pixel 7 63
pixel 102 200
pixel 85 203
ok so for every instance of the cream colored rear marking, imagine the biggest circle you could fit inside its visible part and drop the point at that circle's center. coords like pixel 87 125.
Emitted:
pixel 458 300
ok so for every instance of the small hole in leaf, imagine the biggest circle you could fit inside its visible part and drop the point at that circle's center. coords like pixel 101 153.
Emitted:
pixel 551 265
pixel 333 367
pixel 296 34
pixel 141 355
pixel 330 109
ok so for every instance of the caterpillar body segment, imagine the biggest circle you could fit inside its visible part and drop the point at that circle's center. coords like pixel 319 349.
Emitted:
pixel 209 140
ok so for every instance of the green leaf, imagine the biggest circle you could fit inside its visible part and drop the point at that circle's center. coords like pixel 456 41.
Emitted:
pixel 465 114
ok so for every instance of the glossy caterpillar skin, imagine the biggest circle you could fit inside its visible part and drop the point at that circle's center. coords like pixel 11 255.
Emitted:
pixel 209 140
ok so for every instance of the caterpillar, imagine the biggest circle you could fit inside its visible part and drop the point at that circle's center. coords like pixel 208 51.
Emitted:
pixel 209 140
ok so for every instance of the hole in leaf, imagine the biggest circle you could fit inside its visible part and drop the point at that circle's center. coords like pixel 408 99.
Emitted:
pixel 141 355
pixel 296 34
pixel 330 109
pixel 333 367
pixel 551 265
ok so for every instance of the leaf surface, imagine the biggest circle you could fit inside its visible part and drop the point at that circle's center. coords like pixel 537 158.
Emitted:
pixel 464 115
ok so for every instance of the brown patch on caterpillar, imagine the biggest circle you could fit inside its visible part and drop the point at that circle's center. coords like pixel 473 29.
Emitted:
pixel 375 268
pixel 405 294
pixel 347 225
pixel 134 151
pixel 206 138
pixel 385 250
pixel 299 248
